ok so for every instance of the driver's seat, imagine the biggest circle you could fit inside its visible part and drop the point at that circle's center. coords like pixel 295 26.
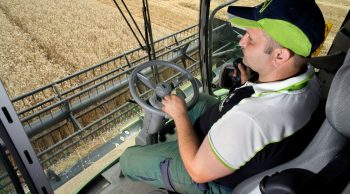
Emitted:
pixel 323 156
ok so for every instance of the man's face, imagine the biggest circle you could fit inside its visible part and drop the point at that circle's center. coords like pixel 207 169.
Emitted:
pixel 253 44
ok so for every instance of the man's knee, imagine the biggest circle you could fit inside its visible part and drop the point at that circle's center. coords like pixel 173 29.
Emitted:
pixel 139 159
pixel 127 159
pixel 139 165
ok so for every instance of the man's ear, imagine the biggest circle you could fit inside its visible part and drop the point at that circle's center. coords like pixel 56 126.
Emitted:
pixel 282 55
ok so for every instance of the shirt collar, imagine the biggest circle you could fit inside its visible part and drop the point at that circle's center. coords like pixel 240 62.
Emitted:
pixel 284 86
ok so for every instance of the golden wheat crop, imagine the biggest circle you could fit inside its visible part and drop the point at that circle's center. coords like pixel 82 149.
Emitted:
pixel 42 41
pixel 23 64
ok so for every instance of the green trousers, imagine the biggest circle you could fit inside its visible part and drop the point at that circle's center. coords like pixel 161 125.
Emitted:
pixel 160 164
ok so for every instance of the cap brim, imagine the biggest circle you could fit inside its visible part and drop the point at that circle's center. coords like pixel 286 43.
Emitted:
pixel 244 17
pixel 243 12
pixel 244 23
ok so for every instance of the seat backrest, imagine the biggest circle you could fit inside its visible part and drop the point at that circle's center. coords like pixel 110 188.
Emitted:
pixel 329 140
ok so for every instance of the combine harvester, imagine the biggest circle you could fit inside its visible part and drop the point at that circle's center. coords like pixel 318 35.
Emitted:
pixel 67 137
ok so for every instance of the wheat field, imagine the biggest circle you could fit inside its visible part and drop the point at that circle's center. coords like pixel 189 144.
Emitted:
pixel 43 41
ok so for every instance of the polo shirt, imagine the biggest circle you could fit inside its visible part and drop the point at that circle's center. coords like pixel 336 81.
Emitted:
pixel 256 130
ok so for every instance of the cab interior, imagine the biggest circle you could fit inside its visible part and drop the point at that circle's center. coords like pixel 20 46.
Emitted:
pixel 322 167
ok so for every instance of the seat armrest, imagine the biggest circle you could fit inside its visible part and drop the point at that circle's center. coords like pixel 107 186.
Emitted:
pixel 288 181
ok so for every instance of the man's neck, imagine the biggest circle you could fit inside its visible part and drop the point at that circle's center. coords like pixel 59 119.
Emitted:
pixel 279 76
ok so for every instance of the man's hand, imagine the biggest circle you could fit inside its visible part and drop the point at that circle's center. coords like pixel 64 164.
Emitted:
pixel 197 156
pixel 174 106
pixel 240 74
pixel 245 73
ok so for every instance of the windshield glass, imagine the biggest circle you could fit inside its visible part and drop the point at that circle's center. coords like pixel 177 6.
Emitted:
pixel 223 39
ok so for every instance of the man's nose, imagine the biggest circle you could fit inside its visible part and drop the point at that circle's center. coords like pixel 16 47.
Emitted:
pixel 243 41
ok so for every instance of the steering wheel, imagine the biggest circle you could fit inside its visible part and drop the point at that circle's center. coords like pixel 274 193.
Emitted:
pixel 161 89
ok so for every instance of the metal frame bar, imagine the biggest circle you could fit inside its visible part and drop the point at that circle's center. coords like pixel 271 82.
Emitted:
pixel 11 131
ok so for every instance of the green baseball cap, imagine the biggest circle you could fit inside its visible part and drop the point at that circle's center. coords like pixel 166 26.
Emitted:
pixel 295 24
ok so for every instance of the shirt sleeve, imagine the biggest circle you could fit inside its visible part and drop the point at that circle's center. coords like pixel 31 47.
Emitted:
pixel 235 139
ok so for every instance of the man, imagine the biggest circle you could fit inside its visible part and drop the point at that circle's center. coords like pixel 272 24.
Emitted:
pixel 257 126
